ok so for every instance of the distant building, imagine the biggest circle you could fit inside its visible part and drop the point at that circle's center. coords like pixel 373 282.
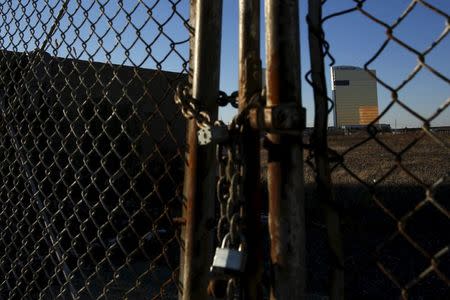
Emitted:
pixel 354 95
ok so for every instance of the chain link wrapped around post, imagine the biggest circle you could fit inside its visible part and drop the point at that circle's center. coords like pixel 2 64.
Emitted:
pixel 231 174
pixel 190 108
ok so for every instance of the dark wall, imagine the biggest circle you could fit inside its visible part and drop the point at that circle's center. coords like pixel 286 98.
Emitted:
pixel 103 144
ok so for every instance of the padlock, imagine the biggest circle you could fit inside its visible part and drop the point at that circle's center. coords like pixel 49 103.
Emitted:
pixel 227 260
pixel 218 133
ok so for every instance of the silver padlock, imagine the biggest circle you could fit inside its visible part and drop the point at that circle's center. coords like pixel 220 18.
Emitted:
pixel 218 133
pixel 228 260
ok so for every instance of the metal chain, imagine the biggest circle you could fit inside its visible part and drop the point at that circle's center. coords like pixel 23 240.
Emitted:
pixel 191 110
pixel 189 107
pixel 231 200
pixel 235 176
pixel 225 99
pixel 231 173
pixel 223 189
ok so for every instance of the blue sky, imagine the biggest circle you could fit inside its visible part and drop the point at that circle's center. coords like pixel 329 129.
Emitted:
pixel 354 39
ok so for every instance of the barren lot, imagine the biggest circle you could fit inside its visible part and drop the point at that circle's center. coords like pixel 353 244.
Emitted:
pixel 398 171
pixel 425 159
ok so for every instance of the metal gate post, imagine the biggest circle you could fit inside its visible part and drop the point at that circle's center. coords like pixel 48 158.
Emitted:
pixel 200 174
pixel 285 154
pixel 324 188
pixel 249 85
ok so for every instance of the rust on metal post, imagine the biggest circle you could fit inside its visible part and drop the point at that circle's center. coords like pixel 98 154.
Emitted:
pixel 285 154
pixel 191 146
pixel 324 189
pixel 200 174
pixel 249 85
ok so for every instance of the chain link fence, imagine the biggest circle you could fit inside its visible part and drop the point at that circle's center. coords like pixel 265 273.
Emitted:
pixel 92 158
pixel 91 148
pixel 388 189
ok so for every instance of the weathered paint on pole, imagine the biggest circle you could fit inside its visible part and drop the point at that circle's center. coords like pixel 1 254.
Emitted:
pixel 200 174
pixel 324 189
pixel 190 156
pixel 249 85
pixel 285 154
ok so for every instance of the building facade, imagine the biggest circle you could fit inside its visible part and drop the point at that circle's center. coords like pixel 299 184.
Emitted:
pixel 354 95
pixel 93 138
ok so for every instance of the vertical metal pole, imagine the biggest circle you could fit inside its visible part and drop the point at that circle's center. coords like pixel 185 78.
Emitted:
pixel 249 85
pixel 200 174
pixel 190 134
pixel 285 154
pixel 324 189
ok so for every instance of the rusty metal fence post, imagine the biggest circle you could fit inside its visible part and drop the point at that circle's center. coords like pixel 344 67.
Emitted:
pixel 320 136
pixel 285 154
pixel 200 174
pixel 249 86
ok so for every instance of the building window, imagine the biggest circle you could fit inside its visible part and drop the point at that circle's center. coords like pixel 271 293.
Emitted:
pixel 341 82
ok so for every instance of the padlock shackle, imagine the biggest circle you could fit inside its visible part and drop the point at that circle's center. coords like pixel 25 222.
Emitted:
pixel 242 244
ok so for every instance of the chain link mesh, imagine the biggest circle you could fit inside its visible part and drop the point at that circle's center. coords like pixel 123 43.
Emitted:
pixel 91 148
pixel 391 189
pixel 91 158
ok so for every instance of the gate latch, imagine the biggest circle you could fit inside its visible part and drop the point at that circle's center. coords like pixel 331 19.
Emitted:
pixel 285 118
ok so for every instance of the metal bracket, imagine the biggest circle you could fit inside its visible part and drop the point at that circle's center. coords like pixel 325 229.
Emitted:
pixel 285 119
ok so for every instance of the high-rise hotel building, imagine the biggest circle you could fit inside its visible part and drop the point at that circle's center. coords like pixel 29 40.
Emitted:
pixel 354 95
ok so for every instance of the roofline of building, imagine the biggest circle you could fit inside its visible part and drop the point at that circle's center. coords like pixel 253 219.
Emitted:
pixel 9 52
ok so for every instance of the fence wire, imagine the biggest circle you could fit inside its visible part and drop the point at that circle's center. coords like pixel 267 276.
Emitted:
pixel 390 190
pixel 91 148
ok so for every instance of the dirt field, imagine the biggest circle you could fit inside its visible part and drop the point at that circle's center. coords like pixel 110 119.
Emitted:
pixel 426 159
pixel 399 178
pixel 421 155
